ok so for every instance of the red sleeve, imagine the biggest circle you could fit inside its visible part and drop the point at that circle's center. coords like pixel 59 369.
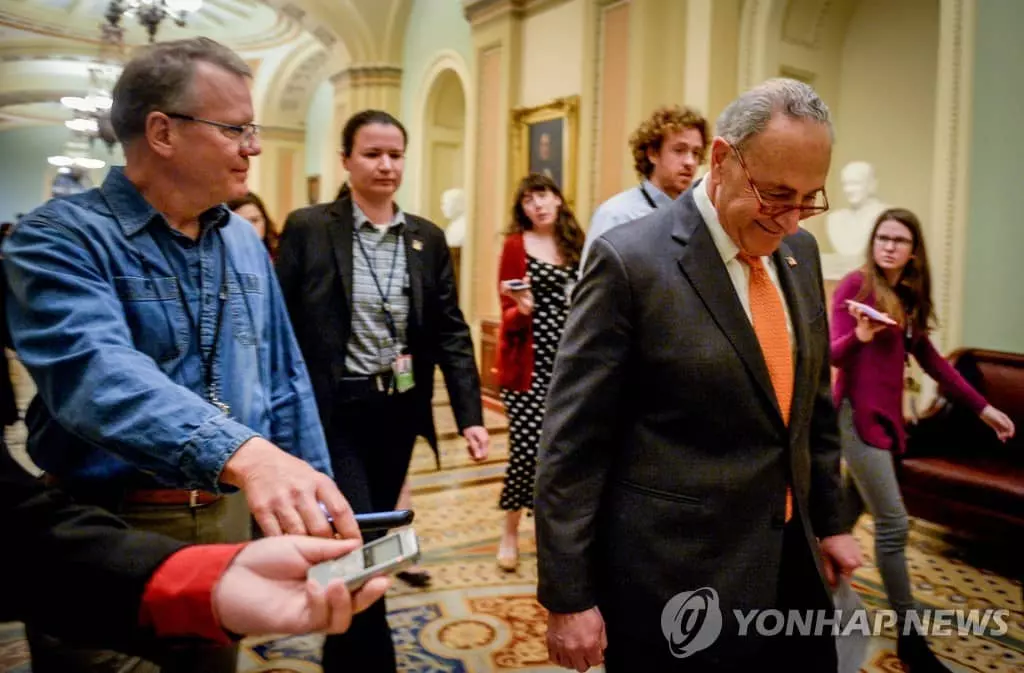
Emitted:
pixel 178 601
pixel 512 267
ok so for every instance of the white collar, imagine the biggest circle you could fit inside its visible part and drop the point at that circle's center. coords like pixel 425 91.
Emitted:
pixel 726 247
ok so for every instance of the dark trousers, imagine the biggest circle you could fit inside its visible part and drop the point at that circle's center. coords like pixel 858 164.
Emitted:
pixel 226 520
pixel 371 441
pixel 799 588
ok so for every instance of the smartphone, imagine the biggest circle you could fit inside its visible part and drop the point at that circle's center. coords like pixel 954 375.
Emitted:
pixel 385 556
pixel 373 521
pixel 871 312
pixel 516 285
pixel 384 520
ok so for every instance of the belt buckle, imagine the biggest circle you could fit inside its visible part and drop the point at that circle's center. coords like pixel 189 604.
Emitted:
pixel 193 498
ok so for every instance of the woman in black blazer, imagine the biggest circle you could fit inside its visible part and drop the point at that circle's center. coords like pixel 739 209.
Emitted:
pixel 371 295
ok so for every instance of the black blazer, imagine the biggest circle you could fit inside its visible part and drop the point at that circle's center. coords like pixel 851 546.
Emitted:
pixel 314 266
pixel 76 572
pixel 664 458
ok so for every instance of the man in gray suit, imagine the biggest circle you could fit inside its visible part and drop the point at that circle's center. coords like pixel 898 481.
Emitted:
pixel 689 465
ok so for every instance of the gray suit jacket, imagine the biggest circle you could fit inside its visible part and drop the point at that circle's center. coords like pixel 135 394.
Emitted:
pixel 664 458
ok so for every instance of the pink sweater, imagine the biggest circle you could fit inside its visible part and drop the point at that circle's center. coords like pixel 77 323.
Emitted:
pixel 871 374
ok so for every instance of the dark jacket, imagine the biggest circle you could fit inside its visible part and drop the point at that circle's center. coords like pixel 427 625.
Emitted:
pixel 76 572
pixel 664 458
pixel 314 266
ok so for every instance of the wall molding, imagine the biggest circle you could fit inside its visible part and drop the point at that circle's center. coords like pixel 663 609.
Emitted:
pixel 479 12
pixel 947 232
pixel 368 75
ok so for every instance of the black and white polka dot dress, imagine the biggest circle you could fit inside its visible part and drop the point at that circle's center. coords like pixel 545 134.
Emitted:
pixel 525 410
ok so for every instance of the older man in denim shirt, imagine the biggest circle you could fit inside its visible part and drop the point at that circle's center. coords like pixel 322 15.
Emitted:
pixel 152 322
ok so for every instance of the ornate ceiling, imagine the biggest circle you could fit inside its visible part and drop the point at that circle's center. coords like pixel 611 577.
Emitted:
pixel 47 47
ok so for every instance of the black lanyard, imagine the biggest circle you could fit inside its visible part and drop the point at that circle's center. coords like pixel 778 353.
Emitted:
pixel 207 356
pixel 647 197
pixel 385 294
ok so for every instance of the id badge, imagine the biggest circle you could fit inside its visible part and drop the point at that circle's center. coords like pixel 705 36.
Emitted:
pixel 402 369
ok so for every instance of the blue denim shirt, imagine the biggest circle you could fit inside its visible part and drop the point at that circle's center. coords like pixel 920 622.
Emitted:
pixel 104 302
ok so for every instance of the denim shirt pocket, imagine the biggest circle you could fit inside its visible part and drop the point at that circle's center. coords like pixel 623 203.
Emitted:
pixel 155 315
pixel 245 297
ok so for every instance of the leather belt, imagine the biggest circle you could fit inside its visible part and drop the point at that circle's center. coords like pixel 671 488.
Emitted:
pixel 366 386
pixel 170 496
pixel 148 496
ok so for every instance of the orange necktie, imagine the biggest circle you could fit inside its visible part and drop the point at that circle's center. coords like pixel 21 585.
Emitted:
pixel 769 319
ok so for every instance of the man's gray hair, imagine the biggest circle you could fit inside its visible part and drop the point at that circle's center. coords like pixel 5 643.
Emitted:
pixel 750 113
pixel 160 78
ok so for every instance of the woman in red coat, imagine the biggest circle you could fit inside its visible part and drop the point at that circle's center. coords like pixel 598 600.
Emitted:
pixel 541 252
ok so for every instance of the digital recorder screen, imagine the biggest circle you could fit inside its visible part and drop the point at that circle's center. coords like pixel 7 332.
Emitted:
pixel 381 552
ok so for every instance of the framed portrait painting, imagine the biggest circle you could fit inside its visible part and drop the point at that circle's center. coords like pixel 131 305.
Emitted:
pixel 544 141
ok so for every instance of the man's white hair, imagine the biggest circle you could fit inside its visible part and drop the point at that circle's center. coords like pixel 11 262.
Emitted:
pixel 750 113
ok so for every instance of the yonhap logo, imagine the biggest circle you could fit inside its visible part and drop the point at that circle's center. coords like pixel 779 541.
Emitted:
pixel 691 621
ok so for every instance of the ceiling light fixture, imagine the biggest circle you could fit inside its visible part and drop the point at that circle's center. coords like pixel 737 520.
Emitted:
pixel 151 13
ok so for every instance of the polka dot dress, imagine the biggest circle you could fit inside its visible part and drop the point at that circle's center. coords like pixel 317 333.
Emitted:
pixel 526 409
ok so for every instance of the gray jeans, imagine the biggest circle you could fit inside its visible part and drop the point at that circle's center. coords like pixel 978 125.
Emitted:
pixel 226 520
pixel 871 483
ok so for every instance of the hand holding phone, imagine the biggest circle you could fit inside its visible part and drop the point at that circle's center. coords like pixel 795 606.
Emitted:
pixel 516 285
pixel 871 312
pixel 385 556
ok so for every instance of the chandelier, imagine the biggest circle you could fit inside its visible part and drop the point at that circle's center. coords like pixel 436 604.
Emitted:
pixel 150 13
pixel 90 114
pixel 75 157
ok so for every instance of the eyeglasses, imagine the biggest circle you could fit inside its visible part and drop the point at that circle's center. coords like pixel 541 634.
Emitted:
pixel 898 241
pixel 245 134
pixel 774 208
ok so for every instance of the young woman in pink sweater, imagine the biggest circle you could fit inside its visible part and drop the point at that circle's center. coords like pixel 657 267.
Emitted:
pixel 871 354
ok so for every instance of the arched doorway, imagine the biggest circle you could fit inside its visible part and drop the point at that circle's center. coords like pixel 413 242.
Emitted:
pixel 444 141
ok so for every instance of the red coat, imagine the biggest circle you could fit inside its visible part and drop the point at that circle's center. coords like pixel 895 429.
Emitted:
pixel 515 339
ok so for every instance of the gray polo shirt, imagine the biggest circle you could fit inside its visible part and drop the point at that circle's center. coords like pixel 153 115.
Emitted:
pixel 371 348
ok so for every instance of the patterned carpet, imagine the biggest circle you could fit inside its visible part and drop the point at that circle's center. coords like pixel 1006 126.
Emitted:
pixel 477 618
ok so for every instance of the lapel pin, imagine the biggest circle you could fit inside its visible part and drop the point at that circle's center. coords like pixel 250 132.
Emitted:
pixel 791 261
pixel 417 244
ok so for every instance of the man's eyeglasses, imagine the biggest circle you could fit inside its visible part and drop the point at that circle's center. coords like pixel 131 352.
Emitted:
pixel 245 134
pixel 774 208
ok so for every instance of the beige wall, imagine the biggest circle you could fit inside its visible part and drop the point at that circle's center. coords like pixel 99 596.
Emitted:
pixel 489 198
pixel 611 140
pixel 281 180
pixel 885 108
pixel 551 60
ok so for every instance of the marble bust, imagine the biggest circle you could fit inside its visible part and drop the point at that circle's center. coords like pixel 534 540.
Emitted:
pixel 453 206
pixel 849 228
